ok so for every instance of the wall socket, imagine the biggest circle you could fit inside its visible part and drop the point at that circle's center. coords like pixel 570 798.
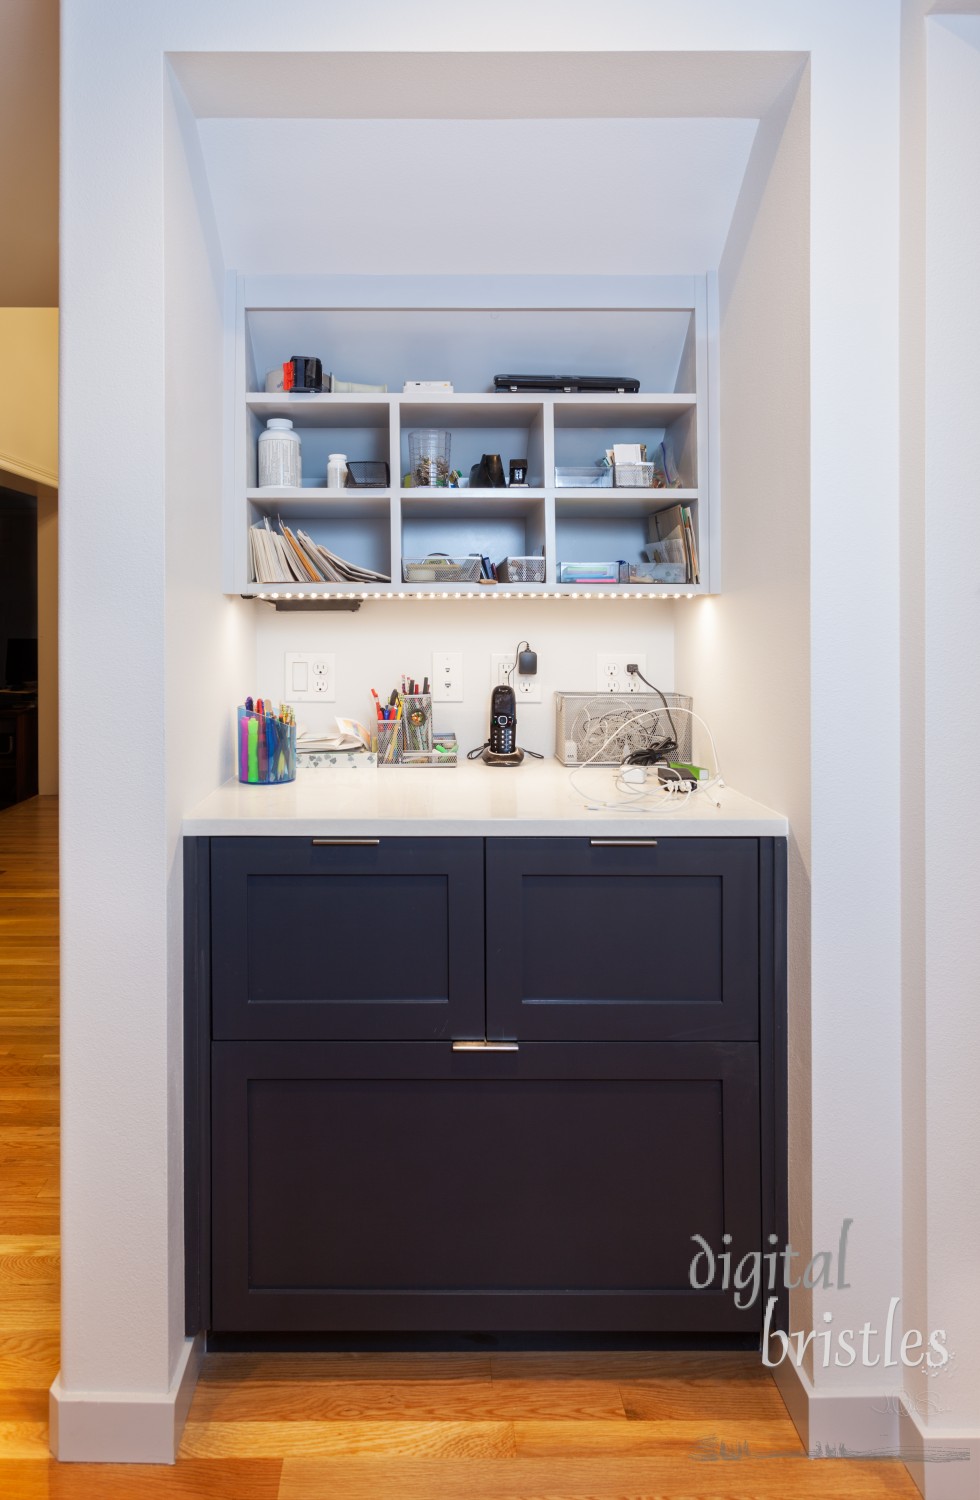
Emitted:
pixel 611 673
pixel 526 689
pixel 310 677
pixel 447 677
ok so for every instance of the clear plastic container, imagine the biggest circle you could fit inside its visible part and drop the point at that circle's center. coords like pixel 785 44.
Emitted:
pixel 428 457
pixel 280 464
pixel 266 749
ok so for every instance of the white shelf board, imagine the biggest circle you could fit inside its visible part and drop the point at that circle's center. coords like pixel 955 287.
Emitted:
pixel 602 410
pixel 617 502
pixel 367 410
pixel 467 504
pixel 467 410
pixel 396 590
pixel 342 505
pixel 628 590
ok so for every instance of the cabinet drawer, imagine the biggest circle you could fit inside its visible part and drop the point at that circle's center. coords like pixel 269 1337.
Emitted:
pixel 409 1186
pixel 623 939
pixel 333 939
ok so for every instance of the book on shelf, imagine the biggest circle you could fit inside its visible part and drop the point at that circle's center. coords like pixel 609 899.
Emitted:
pixel 286 557
pixel 673 540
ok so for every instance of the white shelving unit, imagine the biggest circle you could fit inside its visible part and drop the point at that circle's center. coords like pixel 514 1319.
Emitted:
pixel 377 528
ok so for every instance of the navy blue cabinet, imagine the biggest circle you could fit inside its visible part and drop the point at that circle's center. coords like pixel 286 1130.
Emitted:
pixel 347 938
pixel 349 1170
pixel 623 939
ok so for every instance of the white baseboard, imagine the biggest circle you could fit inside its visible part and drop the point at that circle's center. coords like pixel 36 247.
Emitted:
pixel 862 1421
pixel 124 1427
pixel 945 1464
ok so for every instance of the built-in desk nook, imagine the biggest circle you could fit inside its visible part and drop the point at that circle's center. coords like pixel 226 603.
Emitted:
pixel 463 1055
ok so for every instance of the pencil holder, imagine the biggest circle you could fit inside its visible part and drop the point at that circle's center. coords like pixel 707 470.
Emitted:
pixel 389 743
pixel 416 723
pixel 266 749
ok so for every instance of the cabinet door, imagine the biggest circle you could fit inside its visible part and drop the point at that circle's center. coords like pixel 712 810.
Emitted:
pixel 369 939
pixel 411 1186
pixel 620 939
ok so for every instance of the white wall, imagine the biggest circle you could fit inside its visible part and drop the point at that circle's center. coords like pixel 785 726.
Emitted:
pixel 942 628
pixel 121 1090
pixel 745 654
pixel 210 639
pixel 374 647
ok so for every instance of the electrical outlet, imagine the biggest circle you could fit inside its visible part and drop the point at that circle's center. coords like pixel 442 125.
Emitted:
pixel 611 673
pixel 447 677
pixel 526 689
pixel 310 677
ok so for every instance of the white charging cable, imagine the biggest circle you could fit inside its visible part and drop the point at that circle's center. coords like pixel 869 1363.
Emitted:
pixel 667 796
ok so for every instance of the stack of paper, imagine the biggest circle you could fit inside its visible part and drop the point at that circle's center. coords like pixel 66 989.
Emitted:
pixel 282 557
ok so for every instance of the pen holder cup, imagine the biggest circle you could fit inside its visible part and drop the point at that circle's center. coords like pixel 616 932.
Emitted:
pixel 389 744
pixel 409 735
pixel 416 722
pixel 266 749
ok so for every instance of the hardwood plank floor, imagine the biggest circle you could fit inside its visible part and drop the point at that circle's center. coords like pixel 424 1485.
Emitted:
pixel 481 1426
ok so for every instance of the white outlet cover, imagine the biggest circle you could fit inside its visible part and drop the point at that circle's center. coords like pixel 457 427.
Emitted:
pixel 447 677
pixel 611 675
pixel 310 677
pixel 526 689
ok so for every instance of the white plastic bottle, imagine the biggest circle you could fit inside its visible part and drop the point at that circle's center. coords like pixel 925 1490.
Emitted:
pixel 280 463
pixel 336 471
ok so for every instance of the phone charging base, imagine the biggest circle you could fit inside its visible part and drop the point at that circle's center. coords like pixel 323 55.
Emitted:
pixel 492 758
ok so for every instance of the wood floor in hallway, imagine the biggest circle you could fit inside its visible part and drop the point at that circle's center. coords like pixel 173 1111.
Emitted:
pixel 480 1426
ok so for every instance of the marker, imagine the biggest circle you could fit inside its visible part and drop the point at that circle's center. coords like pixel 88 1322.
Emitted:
pixel 253 748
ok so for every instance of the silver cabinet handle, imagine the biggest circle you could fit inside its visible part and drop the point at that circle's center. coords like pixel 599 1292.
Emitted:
pixel 485 1046
pixel 344 843
pixel 623 843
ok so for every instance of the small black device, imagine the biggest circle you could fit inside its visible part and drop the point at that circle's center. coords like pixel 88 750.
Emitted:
pixel 619 383
pixel 303 374
pixel 502 748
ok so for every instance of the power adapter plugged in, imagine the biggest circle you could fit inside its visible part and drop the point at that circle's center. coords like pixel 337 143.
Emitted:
pixel 633 775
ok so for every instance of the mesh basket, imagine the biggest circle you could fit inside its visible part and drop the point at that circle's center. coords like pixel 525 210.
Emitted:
pixel 601 729
pixel 521 570
pixel 441 569
pixel 634 476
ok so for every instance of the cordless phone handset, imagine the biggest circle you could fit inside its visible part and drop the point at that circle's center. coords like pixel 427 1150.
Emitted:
pixel 503 721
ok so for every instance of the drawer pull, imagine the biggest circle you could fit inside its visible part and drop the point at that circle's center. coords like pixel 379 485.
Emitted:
pixel 344 843
pixel 623 843
pixel 485 1046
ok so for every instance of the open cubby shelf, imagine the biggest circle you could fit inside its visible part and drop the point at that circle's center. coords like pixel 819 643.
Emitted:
pixel 378 528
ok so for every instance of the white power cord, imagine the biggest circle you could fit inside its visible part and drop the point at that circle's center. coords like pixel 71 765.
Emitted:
pixel 667 796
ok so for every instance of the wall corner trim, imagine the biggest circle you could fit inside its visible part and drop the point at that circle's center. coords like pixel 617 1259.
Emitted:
pixel 944 1463
pixel 25 470
pixel 862 1421
pixel 124 1427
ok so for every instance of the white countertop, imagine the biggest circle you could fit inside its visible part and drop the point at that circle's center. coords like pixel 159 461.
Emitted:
pixel 532 800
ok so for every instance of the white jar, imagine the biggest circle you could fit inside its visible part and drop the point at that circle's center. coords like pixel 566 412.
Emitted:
pixel 336 471
pixel 279 455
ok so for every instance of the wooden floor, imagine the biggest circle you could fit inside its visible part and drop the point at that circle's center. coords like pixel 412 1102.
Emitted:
pixel 357 1426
